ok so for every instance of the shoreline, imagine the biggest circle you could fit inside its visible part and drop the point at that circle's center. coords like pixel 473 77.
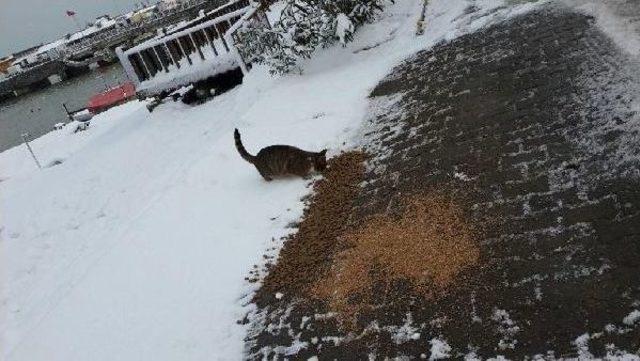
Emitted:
pixel 37 112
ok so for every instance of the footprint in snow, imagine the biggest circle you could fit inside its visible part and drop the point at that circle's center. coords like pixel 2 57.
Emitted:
pixel 55 162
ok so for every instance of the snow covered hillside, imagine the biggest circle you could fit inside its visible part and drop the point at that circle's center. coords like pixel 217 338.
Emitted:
pixel 136 246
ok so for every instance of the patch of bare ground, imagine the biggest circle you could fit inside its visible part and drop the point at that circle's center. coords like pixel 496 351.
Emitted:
pixel 352 265
pixel 307 254
pixel 428 245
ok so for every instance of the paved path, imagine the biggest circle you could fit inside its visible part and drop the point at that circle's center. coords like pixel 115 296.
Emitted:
pixel 533 123
pixel 533 114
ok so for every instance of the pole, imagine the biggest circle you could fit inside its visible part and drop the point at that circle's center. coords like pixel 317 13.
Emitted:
pixel 67 111
pixel 26 141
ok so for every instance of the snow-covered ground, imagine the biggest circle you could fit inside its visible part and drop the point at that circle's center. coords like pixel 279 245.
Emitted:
pixel 136 246
pixel 619 19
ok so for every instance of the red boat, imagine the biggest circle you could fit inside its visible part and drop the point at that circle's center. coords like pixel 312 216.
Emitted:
pixel 111 97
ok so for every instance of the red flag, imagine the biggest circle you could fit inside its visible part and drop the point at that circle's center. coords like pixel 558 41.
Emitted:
pixel 70 13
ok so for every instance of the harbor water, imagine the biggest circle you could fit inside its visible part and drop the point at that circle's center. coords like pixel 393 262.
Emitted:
pixel 37 112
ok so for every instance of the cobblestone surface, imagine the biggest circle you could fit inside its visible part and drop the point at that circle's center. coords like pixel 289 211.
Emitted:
pixel 529 123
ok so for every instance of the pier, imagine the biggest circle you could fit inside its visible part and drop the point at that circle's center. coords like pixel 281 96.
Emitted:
pixel 40 75
pixel 99 46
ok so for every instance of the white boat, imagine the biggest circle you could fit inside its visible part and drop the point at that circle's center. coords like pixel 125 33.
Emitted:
pixel 82 115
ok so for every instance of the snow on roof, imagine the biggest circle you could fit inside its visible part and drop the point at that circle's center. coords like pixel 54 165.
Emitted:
pixel 99 25
pixel 51 45
pixel 144 10
pixel 31 57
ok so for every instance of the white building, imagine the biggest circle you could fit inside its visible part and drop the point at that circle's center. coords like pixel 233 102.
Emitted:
pixel 166 5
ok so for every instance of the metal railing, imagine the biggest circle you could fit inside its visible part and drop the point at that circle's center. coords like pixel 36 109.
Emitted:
pixel 203 43
pixel 125 29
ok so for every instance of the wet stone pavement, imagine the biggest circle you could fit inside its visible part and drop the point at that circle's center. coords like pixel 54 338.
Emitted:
pixel 531 124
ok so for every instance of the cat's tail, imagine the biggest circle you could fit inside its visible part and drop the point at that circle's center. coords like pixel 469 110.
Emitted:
pixel 243 152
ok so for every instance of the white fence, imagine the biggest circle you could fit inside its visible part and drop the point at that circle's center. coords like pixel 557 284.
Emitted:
pixel 191 54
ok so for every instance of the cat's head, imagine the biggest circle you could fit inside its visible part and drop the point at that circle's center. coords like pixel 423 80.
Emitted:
pixel 320 161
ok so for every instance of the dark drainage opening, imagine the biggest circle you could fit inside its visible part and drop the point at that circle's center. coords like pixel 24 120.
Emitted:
pixel 214 85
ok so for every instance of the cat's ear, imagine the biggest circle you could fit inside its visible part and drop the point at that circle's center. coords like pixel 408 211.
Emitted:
pixel 323 152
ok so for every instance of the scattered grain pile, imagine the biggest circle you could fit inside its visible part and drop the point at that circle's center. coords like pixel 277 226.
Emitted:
pixel 428 245
pixel 307 254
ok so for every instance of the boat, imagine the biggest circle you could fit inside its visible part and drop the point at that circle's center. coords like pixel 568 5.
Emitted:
pixel 112 97
pixel 82 115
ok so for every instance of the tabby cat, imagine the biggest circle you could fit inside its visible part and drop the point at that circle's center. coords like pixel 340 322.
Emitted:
pixel 282 160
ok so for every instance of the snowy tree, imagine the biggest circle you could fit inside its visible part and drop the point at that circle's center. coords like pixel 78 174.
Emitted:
pixel 305 25
pixel 348 15
pixel 260 44
pixel 344 28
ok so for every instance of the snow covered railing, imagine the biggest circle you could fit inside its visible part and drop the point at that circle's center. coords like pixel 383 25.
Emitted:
pixel 255 14
pixel 191 54
pixel 219 11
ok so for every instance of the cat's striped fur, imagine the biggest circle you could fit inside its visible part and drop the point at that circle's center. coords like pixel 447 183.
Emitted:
pixel 282 160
